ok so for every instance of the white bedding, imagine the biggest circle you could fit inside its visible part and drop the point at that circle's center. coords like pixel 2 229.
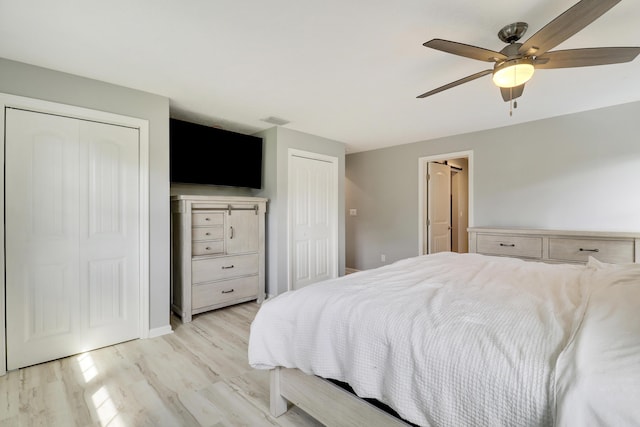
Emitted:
pixel 598 374
pixel 444 339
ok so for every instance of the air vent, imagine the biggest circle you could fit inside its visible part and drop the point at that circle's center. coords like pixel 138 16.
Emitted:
pixel 276 121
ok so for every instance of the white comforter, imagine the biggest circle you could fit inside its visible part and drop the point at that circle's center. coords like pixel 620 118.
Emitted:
pixel 445 339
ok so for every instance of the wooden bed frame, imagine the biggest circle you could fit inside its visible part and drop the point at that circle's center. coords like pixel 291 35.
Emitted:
pixel 324 401
pixel 331 405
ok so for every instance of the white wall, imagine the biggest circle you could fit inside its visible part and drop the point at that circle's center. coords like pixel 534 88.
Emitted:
pixel 579 171
pixel 40 83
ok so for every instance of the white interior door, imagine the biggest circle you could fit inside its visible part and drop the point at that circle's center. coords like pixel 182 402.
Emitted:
pixel 71 236
pixel 313 222
pixel 439 207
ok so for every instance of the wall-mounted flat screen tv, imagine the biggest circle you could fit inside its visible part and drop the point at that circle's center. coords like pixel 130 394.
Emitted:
pixel 206 155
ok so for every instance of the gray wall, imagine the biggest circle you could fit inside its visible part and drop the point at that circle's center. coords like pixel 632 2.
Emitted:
pixel 580 172
pixel 270 191
pixel 277 143
pixel 35 82
pixel 275 182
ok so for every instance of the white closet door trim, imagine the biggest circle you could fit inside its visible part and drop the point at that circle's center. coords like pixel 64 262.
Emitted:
pixel 292 152
pixel 13 101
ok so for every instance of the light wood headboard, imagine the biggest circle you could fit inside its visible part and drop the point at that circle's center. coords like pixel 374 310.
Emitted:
pixel 556 245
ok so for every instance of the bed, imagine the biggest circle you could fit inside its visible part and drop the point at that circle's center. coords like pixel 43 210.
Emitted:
pixel 464 339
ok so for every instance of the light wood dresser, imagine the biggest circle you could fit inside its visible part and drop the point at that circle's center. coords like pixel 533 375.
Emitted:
pixel 217 252
pixel 556 246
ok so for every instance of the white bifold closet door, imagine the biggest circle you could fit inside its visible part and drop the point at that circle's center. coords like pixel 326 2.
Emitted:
pixel 312 187
pixel 72 236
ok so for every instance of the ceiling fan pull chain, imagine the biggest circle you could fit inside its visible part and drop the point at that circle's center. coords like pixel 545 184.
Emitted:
pixel 510 101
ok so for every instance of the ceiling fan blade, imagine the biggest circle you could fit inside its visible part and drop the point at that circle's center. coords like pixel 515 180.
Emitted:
pixel 565 25
pixel 465 50
pixel 511 93
pixel 456 83
pixel 587 57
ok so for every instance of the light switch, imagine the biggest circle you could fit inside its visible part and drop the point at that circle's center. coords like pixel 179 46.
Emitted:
pixel 353 212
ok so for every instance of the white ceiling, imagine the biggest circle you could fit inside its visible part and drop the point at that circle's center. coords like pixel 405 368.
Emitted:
pixel 344 70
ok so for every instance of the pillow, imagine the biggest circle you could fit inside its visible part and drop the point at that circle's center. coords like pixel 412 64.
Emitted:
pixel 601 265
pixel 598 373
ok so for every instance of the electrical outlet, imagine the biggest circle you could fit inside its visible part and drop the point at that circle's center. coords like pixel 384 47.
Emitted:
pixel 353 212
pixel 383 258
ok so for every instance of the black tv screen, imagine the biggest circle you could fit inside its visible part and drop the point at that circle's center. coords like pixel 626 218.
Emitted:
pixel 206 155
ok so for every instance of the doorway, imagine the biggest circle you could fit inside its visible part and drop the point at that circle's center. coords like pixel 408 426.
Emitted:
pixel 445 202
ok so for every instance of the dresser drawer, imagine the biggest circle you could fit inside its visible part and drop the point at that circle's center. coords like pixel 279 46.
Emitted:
pixel 207 248
pixel 204 219
pixel 516 246
pixel 207 233
pixel 209 269
pixel 579 250
pixel 208 294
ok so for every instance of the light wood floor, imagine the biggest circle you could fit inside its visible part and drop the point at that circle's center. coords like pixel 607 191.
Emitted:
pixel 197 376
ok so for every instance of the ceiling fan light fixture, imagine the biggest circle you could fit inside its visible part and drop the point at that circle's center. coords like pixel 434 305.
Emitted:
pixel 513 72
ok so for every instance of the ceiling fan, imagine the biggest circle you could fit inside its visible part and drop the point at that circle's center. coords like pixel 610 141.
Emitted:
pixel 515 64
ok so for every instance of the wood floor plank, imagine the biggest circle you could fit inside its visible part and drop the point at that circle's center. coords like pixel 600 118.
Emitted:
pixel 166 366
pixel 254 387
pixel 202 409
pixel 197 376
pixel 210 349
pixel 235 410
pixel 75 373
pixel 9 397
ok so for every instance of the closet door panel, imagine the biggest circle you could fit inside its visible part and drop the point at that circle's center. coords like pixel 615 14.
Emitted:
pixel 108 241
pixel 41 194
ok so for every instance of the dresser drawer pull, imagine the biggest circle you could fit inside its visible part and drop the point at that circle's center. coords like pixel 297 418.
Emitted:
pixel 231 232
pixel 208 248
pixel 228 292
pixel 589 250
pixel 207 219
pixel 508 245
pixel 207 234
pixel 224 267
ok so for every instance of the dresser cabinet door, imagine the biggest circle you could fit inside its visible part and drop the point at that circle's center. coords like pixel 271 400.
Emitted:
pixel 242 232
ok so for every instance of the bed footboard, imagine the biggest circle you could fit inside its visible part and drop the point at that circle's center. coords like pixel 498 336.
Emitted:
pixel 323 400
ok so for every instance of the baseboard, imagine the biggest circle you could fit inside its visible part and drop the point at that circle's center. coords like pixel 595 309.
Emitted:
pixel 350 270
pixel 157 332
